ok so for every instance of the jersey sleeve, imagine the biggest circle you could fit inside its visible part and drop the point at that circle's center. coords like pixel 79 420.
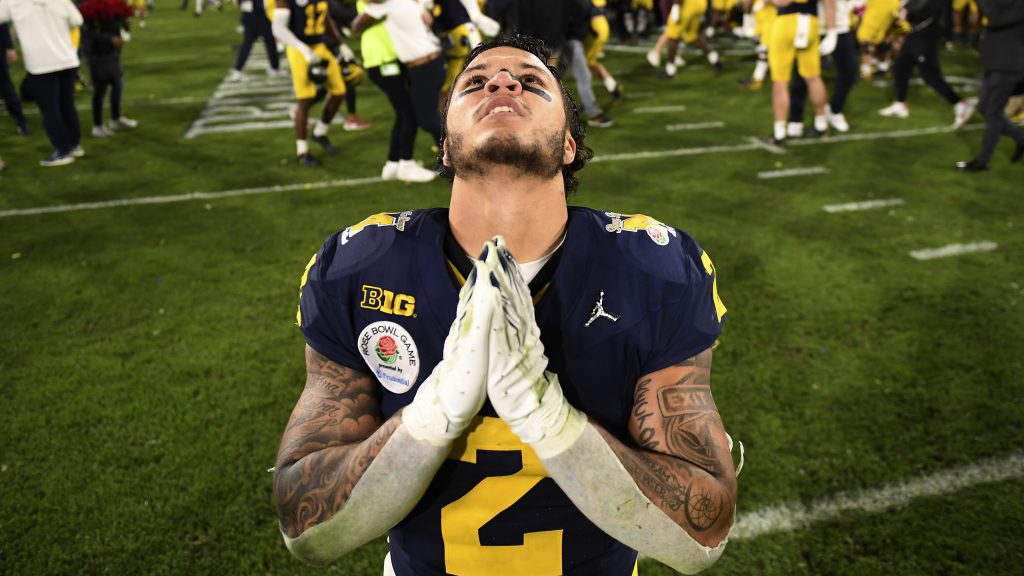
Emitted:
pixel 691 319
pixel 322 316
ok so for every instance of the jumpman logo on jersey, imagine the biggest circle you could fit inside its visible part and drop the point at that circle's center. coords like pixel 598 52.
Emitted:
pixel 599 312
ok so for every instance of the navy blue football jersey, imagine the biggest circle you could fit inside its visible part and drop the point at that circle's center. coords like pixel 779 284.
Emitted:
pixel 307 19
pixel 625 296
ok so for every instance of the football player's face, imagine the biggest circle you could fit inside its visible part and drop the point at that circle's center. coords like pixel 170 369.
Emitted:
pixel 507 97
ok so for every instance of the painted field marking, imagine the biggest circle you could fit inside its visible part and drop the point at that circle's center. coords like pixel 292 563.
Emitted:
pixel 658 109
pixel 759 143
pixel 789 172
pixel 190 196
pixel 696 126
pixel 796 515
pixel 865 205
pixel 879 135
pixel 638 95
pixel 953 250
pixel 753 144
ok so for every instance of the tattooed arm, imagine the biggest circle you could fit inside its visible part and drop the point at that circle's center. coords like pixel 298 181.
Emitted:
pixel 343 475
pixel 678 460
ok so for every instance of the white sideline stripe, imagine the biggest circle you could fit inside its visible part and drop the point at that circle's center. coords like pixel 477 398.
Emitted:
pixel 697 126
pixel 879 135
pixel 792 172
pixel 189 196
pixel 953 250
pixel 639 95
pixel 866 205
pixel 754 144
pixel 796 515
pixel 658 109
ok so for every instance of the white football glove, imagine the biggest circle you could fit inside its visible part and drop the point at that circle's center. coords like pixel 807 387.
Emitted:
pixel 523 393
pixel 455 391
pixel 828 43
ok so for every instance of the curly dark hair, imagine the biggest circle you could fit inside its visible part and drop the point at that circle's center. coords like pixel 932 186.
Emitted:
pixel 572 113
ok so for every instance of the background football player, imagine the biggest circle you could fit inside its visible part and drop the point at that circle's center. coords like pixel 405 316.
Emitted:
pixel 683 25
pixel 302 26
pixel 549 417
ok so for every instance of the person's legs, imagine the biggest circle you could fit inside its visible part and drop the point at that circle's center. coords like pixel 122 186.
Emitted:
pixel 845 58
pixel 995 92
pixel 403 129
pixel 68 112
pixel 270 45
pixel 424 88
pixel 99 93
pixel 45 91
pixel 10 96
pixel 901 70
pixel 931 71
pixel 248 38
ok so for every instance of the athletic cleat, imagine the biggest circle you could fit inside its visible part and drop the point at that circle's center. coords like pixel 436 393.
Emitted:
pixel 57 159
pixel 101 132
pixel 837 121
pixel 750 84
pixel 601 121
pixel 773 141
pixel 78 151
pixel 355 124
pixel 895 110
pixel 123 123
pixel 390 170
pixel 972 166
pixel 813 132
pixel 307 159
pixel 962 112
pixel 325 143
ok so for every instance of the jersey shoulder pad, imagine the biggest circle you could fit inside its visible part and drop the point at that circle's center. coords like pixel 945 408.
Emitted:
pixel 363 243
pixel 660 250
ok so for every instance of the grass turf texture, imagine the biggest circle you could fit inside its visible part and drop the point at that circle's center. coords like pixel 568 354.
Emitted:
pixel 149 362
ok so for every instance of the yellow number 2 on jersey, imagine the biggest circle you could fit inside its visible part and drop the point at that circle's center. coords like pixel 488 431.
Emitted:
pixel 540 554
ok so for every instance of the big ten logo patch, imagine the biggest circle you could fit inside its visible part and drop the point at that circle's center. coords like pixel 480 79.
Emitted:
pixel 388 302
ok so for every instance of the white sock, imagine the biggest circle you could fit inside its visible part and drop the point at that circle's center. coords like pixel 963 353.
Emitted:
pixel 780 130
pixel 713 57
pixel 760 70
pixel 610 83
pixel 670 69
pixel 301 147
pixel 320 129
pixel 820 123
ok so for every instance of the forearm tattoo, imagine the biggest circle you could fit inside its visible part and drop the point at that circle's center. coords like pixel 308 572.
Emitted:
pixel 685 466
pixel 334 434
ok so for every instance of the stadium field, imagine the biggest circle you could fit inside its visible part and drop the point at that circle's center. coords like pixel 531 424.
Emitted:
pixel 871 362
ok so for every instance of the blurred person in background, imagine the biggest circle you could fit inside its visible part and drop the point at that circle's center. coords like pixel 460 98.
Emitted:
pixel 255 25
pixel 845 59
pixel 105 21
pixel 461 26
pixel 7 91
pixel 795 40
pixel 920 49
pixel 421 65
pixel 303 26
pixel 44 30
pixel 1002 57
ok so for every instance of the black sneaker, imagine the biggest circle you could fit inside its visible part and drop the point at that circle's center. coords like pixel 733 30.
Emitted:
pixel 972 166
pixel 664 75
pixel 617 93
pixel 601 121
pixel 307 159
pixel 813 132
pixel 773 141
pixel 325 143
pixel 57 159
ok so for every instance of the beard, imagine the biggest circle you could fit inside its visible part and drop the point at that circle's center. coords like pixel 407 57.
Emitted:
pixel 539 160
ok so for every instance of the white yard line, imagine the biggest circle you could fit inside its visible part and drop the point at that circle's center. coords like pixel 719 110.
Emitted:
pixel 796 515
pixel 865 205
pixel 659 109
pixel 696 126
pixel 190 196
pixel 759 143
pixel 789 172
pixel 754 144
pixel 953 250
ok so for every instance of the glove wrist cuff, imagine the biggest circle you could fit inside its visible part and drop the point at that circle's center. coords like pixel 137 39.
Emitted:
pixel 552 445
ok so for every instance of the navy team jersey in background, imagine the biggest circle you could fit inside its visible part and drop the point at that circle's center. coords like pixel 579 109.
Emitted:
pixel 625 296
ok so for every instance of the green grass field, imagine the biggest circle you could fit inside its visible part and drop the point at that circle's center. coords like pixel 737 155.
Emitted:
pixel 149 361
